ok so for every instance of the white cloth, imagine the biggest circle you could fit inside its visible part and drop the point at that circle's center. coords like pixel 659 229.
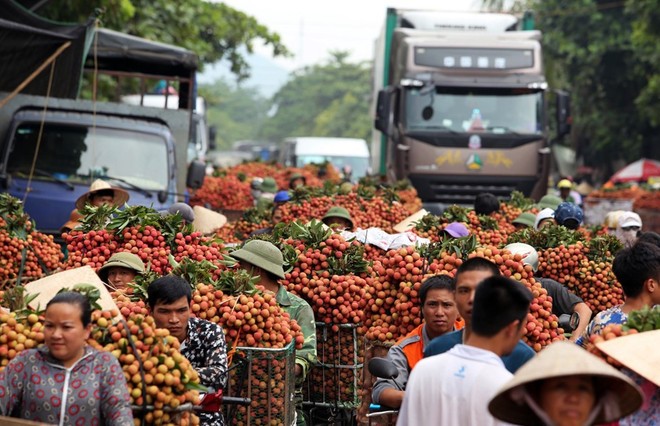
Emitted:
pixel 454 389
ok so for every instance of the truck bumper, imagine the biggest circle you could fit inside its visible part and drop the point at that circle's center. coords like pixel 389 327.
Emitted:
pixel 463 189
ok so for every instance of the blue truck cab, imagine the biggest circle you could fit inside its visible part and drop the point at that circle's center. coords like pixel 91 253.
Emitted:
pixel 51 164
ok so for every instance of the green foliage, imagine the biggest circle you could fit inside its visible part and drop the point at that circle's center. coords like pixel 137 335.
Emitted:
pixel 16 300
pixel 214 31
pixel 645 319
pixel 330 99
pixel 456 213
pixel 17 222
pixel 519 200
pixel 606 56
pixel 550 236
pixel 239 113
pixel 92 294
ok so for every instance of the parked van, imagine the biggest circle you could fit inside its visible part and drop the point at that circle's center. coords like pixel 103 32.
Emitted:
pixel 340 152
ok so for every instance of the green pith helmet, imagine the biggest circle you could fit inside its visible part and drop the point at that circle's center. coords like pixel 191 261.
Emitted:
pixel 526 218
pixel 549 201
pixel 345 188
pixel 338 212
pixel 262 254
pixel 295 176
pixel 269 185
pixel 124 260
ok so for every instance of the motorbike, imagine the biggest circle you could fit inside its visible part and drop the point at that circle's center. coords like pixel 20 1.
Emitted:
pixel 378 414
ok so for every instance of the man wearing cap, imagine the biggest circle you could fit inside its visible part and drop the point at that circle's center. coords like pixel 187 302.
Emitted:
pixel 565 186
pixel 120 270
pixel 268 191
pixel 339 219
pixel 544 218
pixel 454 388
pixel 637 269
pixel 264 260
pixel 563 301
pixel 611 221
pixel 629 225
pixel 524 220
pixel 100 193
pixel 297 180
pixel 569 215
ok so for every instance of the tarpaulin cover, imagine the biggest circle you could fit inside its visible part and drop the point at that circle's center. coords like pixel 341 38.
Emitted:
pixel 123 52
pixel 26 41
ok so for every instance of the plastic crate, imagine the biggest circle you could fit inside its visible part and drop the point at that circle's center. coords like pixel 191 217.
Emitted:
pixel 266 376
pixel 372 348
pixel 336 380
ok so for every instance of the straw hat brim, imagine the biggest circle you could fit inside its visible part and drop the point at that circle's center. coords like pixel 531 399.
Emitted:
pixel 638 352
pixel 207 221
pixel 259 261
pixel 558 360
pixel 118 199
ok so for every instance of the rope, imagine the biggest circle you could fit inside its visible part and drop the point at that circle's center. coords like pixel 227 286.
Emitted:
pixel 34 75
pixel 41 132
pixel 94 92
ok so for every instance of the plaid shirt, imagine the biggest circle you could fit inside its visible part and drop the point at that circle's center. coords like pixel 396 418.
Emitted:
pixel 206 350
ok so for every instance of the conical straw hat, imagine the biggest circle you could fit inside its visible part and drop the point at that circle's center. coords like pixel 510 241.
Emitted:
pixel 119 198
pixel 639 352
pixel 207 221
pixel 565 359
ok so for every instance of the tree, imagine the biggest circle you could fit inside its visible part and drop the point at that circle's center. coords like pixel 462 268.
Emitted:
pixel 590 46
pixel 645 40
pixel 330 99
pixel 238 113
pixel 212 30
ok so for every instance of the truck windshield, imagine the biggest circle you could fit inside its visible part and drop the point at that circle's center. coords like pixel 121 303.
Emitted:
pixel 498 111
pixel 359 166
pixel 75 153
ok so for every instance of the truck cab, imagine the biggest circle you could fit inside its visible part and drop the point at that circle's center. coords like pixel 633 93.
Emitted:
pixel 461 106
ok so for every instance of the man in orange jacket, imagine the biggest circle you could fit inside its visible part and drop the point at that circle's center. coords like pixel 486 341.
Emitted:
pixel 440 316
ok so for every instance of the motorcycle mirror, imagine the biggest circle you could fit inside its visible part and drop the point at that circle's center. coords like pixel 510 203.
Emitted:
pixel 383 368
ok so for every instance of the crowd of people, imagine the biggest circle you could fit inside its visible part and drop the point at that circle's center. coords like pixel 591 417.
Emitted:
pixel 464 365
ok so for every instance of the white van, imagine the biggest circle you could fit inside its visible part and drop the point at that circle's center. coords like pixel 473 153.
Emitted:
pixel 340 152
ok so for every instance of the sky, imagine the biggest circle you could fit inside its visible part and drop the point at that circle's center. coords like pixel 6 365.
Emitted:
pixel 312 28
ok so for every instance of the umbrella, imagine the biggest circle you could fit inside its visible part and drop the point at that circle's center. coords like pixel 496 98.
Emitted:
pixel 639 171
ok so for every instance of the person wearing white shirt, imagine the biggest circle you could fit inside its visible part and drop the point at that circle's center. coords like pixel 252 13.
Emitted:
pixel 454 388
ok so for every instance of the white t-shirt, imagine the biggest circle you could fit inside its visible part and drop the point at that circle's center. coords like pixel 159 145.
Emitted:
pixel 453 389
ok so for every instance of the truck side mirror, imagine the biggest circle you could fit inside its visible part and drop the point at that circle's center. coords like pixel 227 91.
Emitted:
pixel 563 113
pixel 385 110
pixel 213 132
pixel 196 174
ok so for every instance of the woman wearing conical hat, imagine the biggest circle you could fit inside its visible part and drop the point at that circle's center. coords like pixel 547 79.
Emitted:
pixel 564 385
